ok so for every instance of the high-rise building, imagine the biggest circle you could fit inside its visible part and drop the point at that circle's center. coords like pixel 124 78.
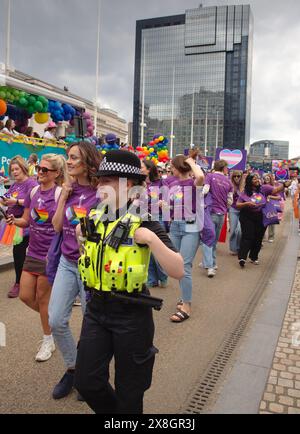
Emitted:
pixel 271 149
pixel 193 78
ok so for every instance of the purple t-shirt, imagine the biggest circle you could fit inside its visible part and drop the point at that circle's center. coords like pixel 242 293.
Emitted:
pixel 259 199
pixel 182 197
pixel 78 205
pixel 220 186
pixel 42 208
pixel 19 190
pixel 236 194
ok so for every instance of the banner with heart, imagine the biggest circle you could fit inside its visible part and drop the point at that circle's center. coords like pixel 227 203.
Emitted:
pixel 282 175
pixel 236 158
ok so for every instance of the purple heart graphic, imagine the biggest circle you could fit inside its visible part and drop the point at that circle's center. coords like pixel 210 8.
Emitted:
pixel 281 174
pixel 232 157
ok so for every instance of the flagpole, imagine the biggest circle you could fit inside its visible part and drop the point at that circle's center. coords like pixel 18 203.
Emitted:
pixel 7 54
pixel 172 121
pixel 217 130
pixel 192 125
pixel 97 71
pixel 205 140
pixel 143 95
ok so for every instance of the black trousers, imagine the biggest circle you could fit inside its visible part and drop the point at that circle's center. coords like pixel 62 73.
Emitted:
pixel 125 331
pixel 253 232
pixel 19 253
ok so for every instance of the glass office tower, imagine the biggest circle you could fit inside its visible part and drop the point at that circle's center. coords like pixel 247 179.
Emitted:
pixel 193 78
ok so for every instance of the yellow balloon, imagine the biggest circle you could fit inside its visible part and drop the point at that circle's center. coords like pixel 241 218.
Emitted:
pixel 41 118
pixel 161 138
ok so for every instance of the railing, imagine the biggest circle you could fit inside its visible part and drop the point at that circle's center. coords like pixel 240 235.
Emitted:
pixel 34 141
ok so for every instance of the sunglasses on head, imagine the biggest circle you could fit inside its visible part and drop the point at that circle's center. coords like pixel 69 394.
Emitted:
pixel 44 169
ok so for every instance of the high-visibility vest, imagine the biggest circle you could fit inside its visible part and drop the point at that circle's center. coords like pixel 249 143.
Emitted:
pixel 102 268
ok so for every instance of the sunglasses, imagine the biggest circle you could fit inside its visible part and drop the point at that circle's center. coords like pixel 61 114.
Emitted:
pixel 237 176
pixel 44 169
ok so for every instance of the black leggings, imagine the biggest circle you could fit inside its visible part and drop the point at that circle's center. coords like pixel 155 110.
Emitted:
pixel 19 253
pixel 253 232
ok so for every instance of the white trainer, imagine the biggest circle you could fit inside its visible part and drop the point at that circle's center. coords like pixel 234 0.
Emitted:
pixel 211 272
pixel 45 351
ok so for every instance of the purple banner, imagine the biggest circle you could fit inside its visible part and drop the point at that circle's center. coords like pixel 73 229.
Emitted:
pixel 282 175
pixel 205 162
pixel 236 158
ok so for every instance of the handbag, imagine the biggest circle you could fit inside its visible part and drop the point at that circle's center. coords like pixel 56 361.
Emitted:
pixel 270 215
pixel 53 257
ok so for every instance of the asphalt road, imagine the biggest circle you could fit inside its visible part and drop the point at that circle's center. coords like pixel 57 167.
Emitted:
pixel 185 349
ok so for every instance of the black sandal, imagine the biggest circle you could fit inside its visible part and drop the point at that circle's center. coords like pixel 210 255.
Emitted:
pixel 181 315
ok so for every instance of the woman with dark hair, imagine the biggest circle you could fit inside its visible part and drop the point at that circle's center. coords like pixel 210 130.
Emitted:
pixel 250 204
pixel 237 180
pixel 9 128
pixel 156 276
pixel 184 231
pixel 76 201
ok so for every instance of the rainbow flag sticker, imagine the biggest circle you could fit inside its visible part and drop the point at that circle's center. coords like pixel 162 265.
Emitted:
pixel 75 213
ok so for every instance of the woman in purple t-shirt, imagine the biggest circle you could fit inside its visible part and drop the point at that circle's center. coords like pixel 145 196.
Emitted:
pixel 40 205
pixel 156 275
pixel 184 233
pixel 75 202
pixel 14 200
pixel 250 204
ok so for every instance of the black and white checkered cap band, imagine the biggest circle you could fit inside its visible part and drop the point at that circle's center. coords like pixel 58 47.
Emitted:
pixel 112 166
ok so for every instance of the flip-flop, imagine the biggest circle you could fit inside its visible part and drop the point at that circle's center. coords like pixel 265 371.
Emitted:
pixel 181 315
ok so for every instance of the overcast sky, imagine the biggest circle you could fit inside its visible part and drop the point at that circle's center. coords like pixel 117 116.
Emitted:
pixel 55 40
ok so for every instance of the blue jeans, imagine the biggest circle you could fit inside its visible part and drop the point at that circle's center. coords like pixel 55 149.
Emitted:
pixel 207 256
pixel 235 230
pixel 187 244
pixel 218 220
pixel 67 285
pixel 155 273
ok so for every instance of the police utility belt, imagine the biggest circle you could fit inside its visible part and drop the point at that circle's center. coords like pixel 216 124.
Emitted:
pixel 112 263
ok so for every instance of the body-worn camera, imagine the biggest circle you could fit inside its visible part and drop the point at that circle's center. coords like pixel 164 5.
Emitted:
pixel 118 235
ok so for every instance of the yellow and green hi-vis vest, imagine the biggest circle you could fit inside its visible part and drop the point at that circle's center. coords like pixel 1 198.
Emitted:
pixel 103 269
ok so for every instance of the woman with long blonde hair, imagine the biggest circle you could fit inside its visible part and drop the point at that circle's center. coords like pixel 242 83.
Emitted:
pixel 40 206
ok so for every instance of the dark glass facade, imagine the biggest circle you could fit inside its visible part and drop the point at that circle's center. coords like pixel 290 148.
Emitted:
pixel 207 53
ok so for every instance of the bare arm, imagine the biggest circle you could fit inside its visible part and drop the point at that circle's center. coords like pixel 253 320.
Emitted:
pixel 58 217
pixel 197 171
pixel 171 262
pixel 22 222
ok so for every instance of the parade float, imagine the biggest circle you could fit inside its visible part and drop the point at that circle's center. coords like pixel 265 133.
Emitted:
pixel 23 103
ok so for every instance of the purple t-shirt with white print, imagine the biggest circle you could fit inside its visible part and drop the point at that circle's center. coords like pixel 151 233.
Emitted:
pixel 259 199
pixel 42 208
pixel 78 205
pixel 182 196
pixel 220 187
pixel 19 190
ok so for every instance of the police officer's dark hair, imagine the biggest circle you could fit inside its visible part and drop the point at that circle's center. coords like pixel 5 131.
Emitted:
pixel 91 158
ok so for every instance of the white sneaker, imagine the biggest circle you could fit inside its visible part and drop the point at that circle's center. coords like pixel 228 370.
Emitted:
pixel 45 351
pixel 215 267
pixel 271 241
pixel 254 262
pixel 211 272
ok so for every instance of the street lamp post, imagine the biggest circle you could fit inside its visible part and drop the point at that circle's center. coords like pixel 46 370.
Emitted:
pixel 7 53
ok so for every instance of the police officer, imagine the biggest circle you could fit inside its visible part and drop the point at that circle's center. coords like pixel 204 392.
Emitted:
pixel 114 265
